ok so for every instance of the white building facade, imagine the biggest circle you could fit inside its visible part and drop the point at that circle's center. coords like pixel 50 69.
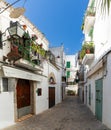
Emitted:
pixel 26 74
pixel 97 73
pixel 60 59
pixel 71 71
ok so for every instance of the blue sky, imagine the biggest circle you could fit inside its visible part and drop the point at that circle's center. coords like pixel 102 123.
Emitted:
pixel 59 20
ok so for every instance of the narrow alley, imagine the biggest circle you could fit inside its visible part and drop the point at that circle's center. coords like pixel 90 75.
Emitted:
pixel 71 114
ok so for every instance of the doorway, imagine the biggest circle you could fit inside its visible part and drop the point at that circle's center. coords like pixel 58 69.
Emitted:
pixel 51 97
pixel 23 91
pixel 99 97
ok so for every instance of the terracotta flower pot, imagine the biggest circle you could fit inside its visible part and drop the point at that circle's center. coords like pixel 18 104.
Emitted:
pixel 87 51
pixel 24 27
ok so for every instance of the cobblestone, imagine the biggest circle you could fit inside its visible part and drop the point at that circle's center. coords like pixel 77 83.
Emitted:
pixel 71 114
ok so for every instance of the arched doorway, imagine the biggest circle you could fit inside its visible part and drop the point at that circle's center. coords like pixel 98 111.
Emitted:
pixel 52 82
pixel 23 91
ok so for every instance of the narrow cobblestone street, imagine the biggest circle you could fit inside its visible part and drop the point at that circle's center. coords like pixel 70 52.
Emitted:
pixel 71 114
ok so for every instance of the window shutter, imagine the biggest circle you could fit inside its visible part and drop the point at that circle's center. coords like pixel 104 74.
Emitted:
pixel 89 94
pixel 68 74
pixel 0 40
pixel 5 84
pixel 68 64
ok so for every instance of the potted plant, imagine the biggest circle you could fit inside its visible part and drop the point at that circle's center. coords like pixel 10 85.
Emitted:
pixel 88 47
pixel 91 11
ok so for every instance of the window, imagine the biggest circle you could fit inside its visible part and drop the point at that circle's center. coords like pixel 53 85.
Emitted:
pixel 0 40
pixel 5 84
pixel 68 74
pixel 39 91
pixel 89 94
pixel 68 64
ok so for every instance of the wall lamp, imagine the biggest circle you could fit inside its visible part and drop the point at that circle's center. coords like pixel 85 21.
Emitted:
pixel 15 31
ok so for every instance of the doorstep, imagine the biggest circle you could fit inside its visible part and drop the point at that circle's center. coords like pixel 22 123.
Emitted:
pixel 24 117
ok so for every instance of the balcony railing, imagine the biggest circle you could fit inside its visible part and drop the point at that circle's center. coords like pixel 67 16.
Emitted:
pixel 26 48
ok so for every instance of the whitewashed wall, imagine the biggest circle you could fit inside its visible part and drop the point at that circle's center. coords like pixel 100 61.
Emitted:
pixel 102 32
pixel 7 98
pixel 72 87
pixel 106 113
pixel 58 83
pixel 102 41
pixel 73 68
pixel 42 101
pixel 107 95
pixel 7 109
pixel 49 68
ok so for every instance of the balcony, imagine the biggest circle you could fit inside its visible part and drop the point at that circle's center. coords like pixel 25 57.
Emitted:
pixel 87 48
pixel 89 19
pixel 28 65
pixel 50 56
pixel 25 51
pixel 88 59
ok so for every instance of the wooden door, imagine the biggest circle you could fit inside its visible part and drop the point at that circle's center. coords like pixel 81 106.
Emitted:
pixel 99 91
pixel 23 97
pixel 51 96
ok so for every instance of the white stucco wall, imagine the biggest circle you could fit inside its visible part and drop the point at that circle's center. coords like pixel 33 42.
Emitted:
pixel 106 104
pixel 7 98
pixel 73 68
pixel 102 41
pixel 58 84
pixel 42 101
pixel 107 95
pixel 7 109
pixel 48 69
pixel 91 81
pixel 72 87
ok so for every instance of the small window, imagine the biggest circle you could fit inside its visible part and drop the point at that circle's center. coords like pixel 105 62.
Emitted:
pixel 89 94
pixel 39 91
pixel 68 64
pixel 0 40
pixel 5 84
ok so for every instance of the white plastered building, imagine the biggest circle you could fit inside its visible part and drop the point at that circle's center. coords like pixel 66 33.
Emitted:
pixel 25 76
pixel 98 72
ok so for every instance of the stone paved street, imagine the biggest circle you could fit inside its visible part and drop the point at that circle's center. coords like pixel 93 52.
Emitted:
pixel 71 114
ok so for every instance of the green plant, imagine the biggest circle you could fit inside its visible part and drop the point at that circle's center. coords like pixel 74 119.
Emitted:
pixel 82 26
pixel 86 46
pixel 90 12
